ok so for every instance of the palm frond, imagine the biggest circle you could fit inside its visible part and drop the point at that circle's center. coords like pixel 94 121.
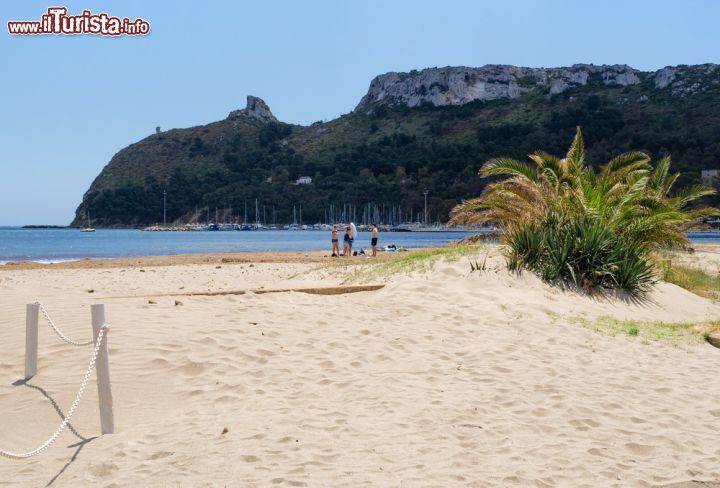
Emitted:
pixel 630 161
pixel 507 167
pixel 691 193
pixel 575 157
pixel 659 175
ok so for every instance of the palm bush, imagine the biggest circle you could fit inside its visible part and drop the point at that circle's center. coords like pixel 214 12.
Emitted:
pixel 579 251
pixel 570 224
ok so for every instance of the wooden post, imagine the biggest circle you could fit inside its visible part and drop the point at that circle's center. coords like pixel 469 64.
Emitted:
pixel 102 368
pixel 31 339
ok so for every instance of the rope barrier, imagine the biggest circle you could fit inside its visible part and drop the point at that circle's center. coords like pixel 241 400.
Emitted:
pixel 66 420
pixel 58 331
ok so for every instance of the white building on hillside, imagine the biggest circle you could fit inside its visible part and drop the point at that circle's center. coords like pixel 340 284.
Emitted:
pixel 304 180
pixel 710 177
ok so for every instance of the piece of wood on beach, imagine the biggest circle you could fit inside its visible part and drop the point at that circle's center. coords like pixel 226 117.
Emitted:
pixel 714 339
pixel 322 290
pixel 316 290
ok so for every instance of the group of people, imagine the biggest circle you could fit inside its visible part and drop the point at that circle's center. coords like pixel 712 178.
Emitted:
pixel 348 240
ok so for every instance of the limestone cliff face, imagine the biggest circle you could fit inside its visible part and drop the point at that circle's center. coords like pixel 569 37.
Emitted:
pixel 256 108
pixel 663 77
pixel 460 85
pixel 686 80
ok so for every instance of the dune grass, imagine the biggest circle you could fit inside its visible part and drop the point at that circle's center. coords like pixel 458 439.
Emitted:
pixel 425 259
pixel 421 260
pixel 676 333
pixel 692 279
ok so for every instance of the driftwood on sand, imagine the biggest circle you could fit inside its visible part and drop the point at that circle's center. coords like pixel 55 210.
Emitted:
pixel 316 290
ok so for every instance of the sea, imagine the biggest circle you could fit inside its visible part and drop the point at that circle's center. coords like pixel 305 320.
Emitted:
pixel 58 245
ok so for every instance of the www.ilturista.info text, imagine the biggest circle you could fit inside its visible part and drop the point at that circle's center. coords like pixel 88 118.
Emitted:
pixel 57 21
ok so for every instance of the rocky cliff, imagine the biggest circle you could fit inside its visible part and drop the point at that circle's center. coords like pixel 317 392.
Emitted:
pixel 461 85
pixel 256 108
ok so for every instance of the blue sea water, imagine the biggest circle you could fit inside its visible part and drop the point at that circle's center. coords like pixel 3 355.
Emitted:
pixel 55 245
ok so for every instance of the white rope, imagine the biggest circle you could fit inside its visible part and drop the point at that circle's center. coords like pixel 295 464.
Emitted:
pixel 66 420
pixel 58 331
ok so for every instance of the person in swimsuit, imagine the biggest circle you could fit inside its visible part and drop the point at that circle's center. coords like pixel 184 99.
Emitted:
pixel 373 239
pixel 335 245
pixel 348 242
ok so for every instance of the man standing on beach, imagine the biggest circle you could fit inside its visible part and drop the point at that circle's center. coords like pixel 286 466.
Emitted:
pixel 334 240
pixel 348 242
pixel 374 239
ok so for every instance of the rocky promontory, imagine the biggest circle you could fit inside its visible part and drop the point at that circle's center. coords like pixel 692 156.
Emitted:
pixel 458 85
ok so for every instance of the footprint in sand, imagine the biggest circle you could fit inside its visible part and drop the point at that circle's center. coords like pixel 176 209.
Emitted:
pixel 501 369
pixel 161 454
pixel 639 449
pixel 192 368
pixel 103 469
pixel 540 412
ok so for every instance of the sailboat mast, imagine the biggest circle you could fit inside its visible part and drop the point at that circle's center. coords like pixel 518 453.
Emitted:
pixel 164 208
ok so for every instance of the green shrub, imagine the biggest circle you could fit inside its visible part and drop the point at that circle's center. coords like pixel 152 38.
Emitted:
pixel 570 224
pixel 579 252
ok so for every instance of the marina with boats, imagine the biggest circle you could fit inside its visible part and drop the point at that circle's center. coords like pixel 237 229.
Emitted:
pixel 404 227
pixel 389 219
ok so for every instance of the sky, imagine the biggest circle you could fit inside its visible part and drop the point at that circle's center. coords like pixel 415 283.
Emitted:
pixel 69 103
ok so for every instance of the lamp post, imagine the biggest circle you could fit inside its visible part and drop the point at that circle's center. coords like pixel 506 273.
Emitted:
pixel 425 219
pixel 164 208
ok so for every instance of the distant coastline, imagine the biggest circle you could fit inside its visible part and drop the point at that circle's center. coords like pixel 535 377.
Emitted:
pixel 47 227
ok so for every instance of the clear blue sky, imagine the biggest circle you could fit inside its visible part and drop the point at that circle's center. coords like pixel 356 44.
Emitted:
pixel 70 103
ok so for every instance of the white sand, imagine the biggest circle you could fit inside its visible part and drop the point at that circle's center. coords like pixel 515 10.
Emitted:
pixel 440 379
pixel 706 257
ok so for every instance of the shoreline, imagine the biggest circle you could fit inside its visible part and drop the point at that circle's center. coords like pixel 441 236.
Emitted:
pixel 220 258
pixel 247 257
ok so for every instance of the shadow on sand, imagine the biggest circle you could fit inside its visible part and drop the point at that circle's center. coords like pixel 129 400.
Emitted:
pixel 78 445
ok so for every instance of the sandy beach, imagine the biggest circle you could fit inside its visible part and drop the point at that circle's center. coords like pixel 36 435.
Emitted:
pixel 442 378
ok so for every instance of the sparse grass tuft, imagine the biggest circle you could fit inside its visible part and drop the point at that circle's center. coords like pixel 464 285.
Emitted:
pixel 694 280
pixel 677 333
pixel 476 265
pixel 421 260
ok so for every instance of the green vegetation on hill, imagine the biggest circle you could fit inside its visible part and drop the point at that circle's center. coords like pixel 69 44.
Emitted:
pixel 389 154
